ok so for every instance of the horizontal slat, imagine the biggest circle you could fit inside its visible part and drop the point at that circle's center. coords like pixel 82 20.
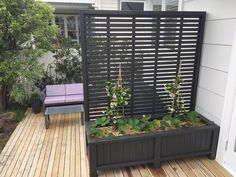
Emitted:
pixel 149 46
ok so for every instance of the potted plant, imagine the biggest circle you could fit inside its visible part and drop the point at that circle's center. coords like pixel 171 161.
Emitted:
pixel 116 141
pixel 35 102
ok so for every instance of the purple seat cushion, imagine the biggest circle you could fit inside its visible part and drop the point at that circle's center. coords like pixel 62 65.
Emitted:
pixel 74 98
pixel 74 89
pixel 55 90
pixel 54 100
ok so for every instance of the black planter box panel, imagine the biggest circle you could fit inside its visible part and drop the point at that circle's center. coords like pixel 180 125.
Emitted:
pixel 150 47
pixel 151 148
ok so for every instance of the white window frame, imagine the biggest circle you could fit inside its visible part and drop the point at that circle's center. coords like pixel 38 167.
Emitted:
pixel 132 1
pixel 164 5
pixel 65 25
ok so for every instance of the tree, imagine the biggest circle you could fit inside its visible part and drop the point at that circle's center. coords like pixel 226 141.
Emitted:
pixel 26 31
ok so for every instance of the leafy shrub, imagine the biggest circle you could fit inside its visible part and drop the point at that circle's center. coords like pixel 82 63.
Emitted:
pixel 113 122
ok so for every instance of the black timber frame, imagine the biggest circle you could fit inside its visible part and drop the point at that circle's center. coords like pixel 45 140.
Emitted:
pixel 150 46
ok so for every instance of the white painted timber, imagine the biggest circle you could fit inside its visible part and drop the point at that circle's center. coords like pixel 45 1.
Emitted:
pixel 108 5
pixel 216 9
pixel 219 32
pixel 230 96
pixel 216 56
pixel 71 1
pixel 210 78
pixel 210 102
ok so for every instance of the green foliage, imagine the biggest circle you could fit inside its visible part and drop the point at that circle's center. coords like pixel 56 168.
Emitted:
pixel 19 110
pixel 45 79
pixel 193 118
pixel 166 122
pixel 26 32
pixel 119 98
pixel 101 122
pixel 67 65
pixel 154 125
pixel 67 61
pixel 25 23
pixel 176 107
pixel 34 96
pixel 96 132
pixel 15 73
pixel 114 124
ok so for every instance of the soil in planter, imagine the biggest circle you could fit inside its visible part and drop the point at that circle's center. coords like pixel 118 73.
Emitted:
pixel 111 131
pixel 8 124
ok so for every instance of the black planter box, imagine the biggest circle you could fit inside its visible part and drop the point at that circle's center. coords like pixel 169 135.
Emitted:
pixel 151 148
pixel 36 106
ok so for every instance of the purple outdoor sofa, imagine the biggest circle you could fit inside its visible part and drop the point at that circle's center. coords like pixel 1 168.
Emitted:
pixel 63 98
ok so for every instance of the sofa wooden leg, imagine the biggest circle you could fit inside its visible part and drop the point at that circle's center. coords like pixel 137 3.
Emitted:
pixel 47 121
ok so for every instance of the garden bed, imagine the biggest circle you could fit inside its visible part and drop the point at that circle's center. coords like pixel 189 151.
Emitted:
pixel 151 148
pixel 8 124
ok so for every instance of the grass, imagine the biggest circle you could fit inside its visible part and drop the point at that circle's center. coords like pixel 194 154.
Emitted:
pixel 19 110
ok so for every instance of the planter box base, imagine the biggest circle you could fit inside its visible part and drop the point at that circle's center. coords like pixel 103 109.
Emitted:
pixel 152 148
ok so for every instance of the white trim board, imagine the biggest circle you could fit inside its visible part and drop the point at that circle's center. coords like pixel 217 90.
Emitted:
pixel 230 96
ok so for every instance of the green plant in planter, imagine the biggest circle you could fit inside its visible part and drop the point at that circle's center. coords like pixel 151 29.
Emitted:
pixel 119 98
pixel 114 113
pixel 113 123
pixel 178 117
pixel 176 107
pixel 193 119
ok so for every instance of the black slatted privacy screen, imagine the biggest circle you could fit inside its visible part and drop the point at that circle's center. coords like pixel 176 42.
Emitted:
pixel 150 46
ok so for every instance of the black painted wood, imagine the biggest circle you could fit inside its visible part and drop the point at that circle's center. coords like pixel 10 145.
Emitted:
pixel 152 147
pixel 150 47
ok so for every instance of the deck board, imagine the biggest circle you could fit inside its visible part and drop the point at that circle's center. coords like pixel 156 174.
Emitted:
pixel 33 151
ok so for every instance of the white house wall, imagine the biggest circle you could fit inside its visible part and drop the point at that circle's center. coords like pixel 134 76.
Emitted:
pixel 115 4
pixel 108 4
pixel 216 58
pixel 221 16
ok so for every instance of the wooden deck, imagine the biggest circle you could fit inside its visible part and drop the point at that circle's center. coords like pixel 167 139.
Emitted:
pixel 33 151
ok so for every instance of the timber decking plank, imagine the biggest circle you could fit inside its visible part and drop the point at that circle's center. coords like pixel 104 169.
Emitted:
pixel 46 159
pixel 36 145
pixel 78 147
pixel 24 152
pixel 42 154
pixel 135 171
pixel 194 168
pixel 68 147
pixel 11 160
pixel 38 152
pixel 33 151
pixel 118 172
pixel 10 144
pixel 185 168
pixel 63 148
pixel 205 171
pixel 109 173
pixel 54 146
pixel 168 169
pixel 125 174
pixel 28 158
pixel 73 149
pixel 144 171
pixel 217 166
pixel 58 148
pixel 211 167
pixel 177 169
